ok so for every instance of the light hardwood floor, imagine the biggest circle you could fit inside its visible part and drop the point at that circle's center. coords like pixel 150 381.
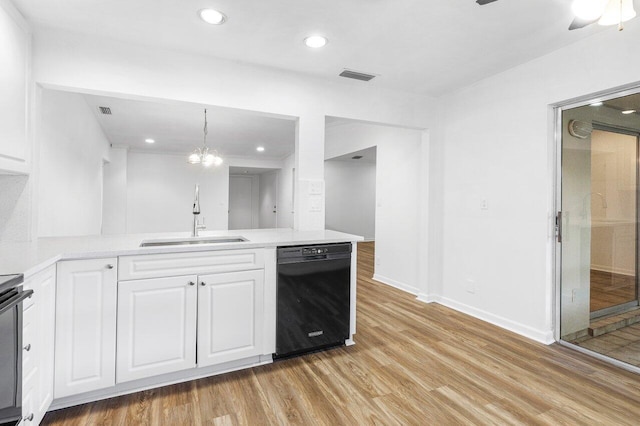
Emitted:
pixel 609 289
pixel 413 363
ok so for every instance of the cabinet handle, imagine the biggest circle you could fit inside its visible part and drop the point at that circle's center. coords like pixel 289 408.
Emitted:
pixel 202 283
pixel 29 418
pixel 192 283
pixel 109 266
pixel 28 347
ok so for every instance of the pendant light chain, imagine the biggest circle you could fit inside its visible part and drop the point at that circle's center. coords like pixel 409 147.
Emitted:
pixel 204 142
pixel 203 155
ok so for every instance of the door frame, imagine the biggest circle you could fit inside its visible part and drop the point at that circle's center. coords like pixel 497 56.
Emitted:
pixel 555 111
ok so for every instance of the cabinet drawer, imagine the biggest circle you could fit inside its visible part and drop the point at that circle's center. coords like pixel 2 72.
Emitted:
pixel 194 263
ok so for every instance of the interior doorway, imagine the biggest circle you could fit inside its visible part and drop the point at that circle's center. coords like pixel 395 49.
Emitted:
pixel 241 202
pixel 254 197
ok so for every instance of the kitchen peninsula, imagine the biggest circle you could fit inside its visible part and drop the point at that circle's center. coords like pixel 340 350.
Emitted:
pixel 109 317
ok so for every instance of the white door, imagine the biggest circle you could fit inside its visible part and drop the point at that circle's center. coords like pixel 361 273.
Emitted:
pixel 240 202
pixel 156 326
pixel 85 340
pixel 268 200
pixel 230 315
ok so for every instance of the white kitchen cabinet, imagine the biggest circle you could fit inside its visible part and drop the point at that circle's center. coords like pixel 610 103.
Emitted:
pixel 156 326
pixel 15 54
pixel 38 345
pixel 230 315
pixel 85 339
pixel 198 263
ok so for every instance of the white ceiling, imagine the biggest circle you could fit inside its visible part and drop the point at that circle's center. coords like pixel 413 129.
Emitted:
pixel 423 46
pixel 178 127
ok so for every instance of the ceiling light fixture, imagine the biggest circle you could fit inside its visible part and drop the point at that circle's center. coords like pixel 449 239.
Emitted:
pixel 212 16
pixel 315 41
pixel 597 103
pixel 616 12
pixel 149 140
pixel 629 111
pixel 260 149
pixel 588 10
pixel 204 155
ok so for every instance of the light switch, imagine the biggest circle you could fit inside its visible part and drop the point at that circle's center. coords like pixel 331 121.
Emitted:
pixel 315 204
pixel 315 187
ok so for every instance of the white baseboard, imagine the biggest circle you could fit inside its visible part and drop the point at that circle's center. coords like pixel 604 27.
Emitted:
pixel 542 336
pixel 427 298
pixel 609 269
pixel 397 284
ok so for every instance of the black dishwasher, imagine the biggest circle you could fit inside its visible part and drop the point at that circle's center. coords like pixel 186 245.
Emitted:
pixel 313 292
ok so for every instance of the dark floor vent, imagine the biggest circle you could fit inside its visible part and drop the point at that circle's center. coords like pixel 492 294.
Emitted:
pixel 356 75
pixel 105 110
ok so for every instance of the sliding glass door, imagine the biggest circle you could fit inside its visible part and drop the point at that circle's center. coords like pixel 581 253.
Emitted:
pixel 599 229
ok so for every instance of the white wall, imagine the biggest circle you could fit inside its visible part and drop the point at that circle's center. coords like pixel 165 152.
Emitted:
pixel 160 192
pixel 14 208
pixel 72 150
pixel 496 143
pixel 397 215
pixel 351 197
pixel 108 67
pixel 114 206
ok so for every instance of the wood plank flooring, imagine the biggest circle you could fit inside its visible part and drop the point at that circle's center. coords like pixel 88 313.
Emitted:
pixel 413 364
pixel 609 289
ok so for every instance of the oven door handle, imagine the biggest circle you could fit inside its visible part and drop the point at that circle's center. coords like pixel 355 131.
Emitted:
pixel 11 303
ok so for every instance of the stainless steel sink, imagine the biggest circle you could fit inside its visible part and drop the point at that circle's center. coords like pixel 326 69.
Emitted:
pixel 192 241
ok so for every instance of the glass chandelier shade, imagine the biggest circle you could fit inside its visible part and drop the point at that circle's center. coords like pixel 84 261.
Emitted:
pixel 617 11
pixel 204 155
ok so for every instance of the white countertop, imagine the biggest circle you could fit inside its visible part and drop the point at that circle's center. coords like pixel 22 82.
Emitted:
pixel 31 257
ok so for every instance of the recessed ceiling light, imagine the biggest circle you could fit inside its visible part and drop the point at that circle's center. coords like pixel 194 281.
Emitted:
pixel 629 111
pixel 149 140
pixel 212 16
pixel 260 149
pixel 315 41
pixel 597 103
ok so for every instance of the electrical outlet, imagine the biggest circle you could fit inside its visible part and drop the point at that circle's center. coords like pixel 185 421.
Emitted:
pixel 574 294
pixel 377 260
pixel 470 286
pixel 484 204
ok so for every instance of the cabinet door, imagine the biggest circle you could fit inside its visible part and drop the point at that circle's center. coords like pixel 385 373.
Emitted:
pixel 156 326
pixel 85 340
pixel 230 311
pixel 44 287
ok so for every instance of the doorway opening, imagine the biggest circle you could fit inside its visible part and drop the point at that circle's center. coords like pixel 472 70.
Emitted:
pixel 254 198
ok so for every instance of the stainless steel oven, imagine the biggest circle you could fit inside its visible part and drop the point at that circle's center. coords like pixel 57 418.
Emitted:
pixel 11 297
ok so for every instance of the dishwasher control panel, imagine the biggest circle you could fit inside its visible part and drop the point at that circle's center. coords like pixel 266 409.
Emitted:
pixel 314 250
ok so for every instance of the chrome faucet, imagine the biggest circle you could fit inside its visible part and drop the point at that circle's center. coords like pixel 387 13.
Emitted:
pixel 196 211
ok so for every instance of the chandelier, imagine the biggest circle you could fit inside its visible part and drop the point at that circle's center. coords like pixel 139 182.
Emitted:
pixel 204 155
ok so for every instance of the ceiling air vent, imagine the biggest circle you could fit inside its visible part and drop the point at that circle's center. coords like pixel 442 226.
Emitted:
pixel 105 110
pixel 356 75
pixel 356 157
